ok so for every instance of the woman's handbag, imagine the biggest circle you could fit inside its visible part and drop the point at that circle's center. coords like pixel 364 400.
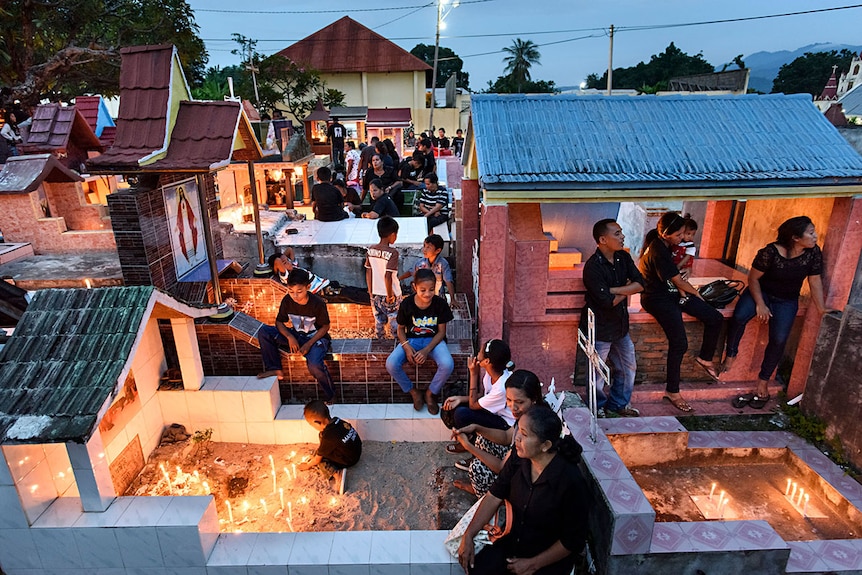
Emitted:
pixel 490 533
pixel 721 292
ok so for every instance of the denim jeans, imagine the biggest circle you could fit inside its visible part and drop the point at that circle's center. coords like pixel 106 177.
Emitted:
pixel 668 313
pixel 440 354
pixel 620 357
pixel 783 316
pixel 271 339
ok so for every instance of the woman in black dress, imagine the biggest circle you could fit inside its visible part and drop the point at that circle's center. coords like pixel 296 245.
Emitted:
pixel 774 284
pixel 550 504
pixel 666 295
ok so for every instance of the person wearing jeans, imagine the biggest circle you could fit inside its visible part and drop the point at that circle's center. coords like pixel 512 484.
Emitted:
pixel 302 326
pixel 610 276
pixel 422 320
pixel 666 295
pixel 774 285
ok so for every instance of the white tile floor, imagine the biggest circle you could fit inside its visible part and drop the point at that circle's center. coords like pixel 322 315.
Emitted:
pixel 411 233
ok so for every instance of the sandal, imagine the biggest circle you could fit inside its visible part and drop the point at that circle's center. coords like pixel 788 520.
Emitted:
pixel 759 401
pixel 679 403
pixel 464 486
pixel 741 401
pixel 709 369
pixel 455 448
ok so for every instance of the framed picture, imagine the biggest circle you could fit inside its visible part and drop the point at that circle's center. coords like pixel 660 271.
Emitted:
pixel 185 226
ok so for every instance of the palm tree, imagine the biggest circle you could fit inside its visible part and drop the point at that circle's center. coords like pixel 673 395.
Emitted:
pixel 521 56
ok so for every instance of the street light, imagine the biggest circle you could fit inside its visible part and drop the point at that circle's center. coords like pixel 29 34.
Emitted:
pixel 442 13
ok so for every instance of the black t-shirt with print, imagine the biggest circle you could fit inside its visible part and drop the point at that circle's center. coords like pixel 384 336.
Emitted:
pixel 339 443
pixel 306 318
pixel 658 268
pixel 424 322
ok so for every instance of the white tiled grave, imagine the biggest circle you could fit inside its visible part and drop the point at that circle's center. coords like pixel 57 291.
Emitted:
pixel 354 231
pixel 179 535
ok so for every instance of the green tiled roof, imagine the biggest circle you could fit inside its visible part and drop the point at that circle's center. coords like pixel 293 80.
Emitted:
pixel 64 360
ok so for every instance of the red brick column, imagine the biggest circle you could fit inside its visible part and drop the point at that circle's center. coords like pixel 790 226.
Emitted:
pixel 468 232
pixel 714 231
pixel 840 254
pixel 494 227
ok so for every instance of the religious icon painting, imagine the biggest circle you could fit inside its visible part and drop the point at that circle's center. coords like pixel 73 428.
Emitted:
pixel 184 225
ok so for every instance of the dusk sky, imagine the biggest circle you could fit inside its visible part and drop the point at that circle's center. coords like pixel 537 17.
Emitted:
pixel 550 22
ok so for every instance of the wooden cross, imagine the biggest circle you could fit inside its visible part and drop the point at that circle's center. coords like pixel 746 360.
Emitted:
pixel 597 367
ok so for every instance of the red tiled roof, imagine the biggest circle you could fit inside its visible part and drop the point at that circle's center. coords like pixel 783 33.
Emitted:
pixel 388 117
pixel 88 106
pixel 203 137
pixel 348 46
pixel 830 91
pixel 250 111
pixel 109 134
pixel 145 80
pixel 52 128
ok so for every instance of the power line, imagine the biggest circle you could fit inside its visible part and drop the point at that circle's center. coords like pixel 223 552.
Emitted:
pixel 403 16
pixel 341 11
pixel 729 20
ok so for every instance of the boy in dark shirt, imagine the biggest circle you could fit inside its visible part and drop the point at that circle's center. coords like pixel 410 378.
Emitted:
pixel 327 202
pixel 302 324
pixel 340 446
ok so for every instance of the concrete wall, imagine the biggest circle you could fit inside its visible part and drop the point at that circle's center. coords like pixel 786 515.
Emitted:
pixel 350 84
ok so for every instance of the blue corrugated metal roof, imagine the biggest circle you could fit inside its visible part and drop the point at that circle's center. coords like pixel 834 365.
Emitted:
pixel 649 140
pixel 852 101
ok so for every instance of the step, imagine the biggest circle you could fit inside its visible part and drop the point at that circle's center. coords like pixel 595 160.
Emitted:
pixel 705 398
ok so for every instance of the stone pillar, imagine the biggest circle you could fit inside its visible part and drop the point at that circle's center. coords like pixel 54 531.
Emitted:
pixel 467 233
pixel 841 252
pixel 188 352
pixel 492 270
pixel 90 466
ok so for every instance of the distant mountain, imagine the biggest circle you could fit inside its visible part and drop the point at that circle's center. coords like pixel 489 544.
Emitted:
pixel 764 66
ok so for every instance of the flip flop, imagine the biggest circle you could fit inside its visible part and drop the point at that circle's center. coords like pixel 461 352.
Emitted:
pixel 758 402
pixel 741 401
pixel 710 370
pixel 679 403
pixel 455 448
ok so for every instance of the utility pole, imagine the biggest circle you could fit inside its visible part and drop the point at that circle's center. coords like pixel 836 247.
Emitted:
pixel 611 62
pixel 434 74
pixel 253 69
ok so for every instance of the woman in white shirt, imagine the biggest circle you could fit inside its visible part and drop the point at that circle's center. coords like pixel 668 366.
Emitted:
pixel 484 405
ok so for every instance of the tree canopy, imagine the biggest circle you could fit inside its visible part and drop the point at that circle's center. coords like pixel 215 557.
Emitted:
pixel 448 63
pixel 59 50
pixel 654 75
pixel 507 85
pixel 810 72
pixel 522 54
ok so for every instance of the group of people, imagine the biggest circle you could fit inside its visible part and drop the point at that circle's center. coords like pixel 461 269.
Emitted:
pixel 440 141
pixel 774 285
pixel 377 170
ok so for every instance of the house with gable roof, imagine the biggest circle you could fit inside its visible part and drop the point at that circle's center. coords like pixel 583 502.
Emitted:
pixel 736 160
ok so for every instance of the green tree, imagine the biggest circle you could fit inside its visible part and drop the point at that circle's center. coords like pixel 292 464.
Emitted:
pixel 655 75
pixel 215 85
pixel 810 72
pixel 59 50
pixel 522 54
pixel 506 85
pixel 448 63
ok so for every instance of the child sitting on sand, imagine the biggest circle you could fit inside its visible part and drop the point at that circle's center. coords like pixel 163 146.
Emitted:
pixel 340 445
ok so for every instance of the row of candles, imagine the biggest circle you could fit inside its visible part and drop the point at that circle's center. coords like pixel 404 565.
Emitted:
pixel 188 479
pixel 797 495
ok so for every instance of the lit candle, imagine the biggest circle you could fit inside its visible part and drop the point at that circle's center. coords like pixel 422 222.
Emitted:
pixel 229 512
pixel 290 513
pixel 292 454
pixel 245 507
pixel 303 499
pixel 179 472
pixel 720 498
pixel 333 501
pixel 789 483
pixel 281 497
pixel 805 506
pixel 167 477
pixel 711 491
pixel 801 494
pixel 793 493
pixel 263 504
pixel 197 476
pixel 274 482
pixel 290 523
pixel 206 488
pixel 88 284
pixel 293 466
pixel 287 472
pixel 272 463
pixel 723 508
